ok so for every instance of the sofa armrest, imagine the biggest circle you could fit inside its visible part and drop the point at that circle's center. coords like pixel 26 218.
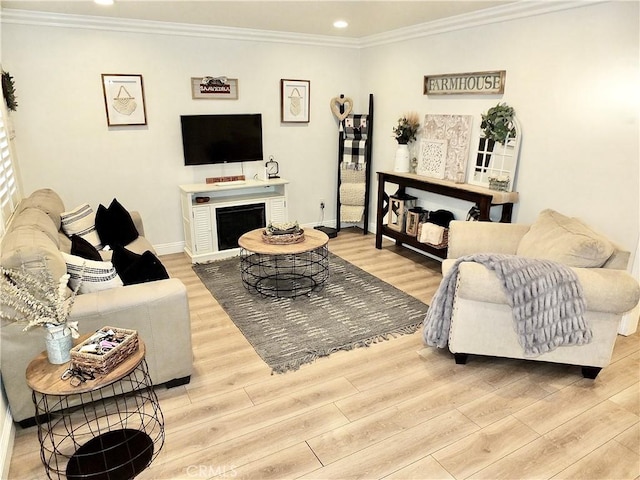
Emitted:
pixel 137 221
pixel 158 311
pixel 467 238
pixel 605 290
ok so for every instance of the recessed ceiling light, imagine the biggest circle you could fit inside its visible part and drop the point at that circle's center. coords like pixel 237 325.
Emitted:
pixel 340 24
pixel 104 2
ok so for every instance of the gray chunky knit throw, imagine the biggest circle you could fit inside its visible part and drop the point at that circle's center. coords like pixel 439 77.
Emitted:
pixel 546 298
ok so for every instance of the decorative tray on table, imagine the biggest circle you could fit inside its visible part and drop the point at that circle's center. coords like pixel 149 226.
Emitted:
pixel 283 233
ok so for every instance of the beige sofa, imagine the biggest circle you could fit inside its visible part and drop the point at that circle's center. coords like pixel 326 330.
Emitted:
pixel 157 310
pixel 482 320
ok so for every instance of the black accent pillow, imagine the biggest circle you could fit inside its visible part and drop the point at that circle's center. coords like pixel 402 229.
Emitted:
pixel 82 248
pixel 133 268
pixel 115 225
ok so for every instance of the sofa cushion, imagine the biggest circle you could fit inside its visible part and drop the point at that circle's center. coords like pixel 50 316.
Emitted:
pixel 134 268
pixel 81 248
pixel 115 225
pixel 90 276
pixel 567 240
pixel 81 221
pixel 31 246
pixel 46 200
pixel 31 217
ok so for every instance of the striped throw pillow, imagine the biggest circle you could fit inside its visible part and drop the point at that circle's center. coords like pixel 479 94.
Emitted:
pixel 91 275
pixel 81 221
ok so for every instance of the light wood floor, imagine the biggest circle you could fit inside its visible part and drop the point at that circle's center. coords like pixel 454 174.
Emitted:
pixel 395 410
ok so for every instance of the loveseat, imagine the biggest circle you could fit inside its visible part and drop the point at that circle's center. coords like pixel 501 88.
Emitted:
pixel 158 310
pixel 482 321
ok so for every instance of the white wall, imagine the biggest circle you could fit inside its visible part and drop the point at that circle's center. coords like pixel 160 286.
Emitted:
pixel 572 77
pixel 63 140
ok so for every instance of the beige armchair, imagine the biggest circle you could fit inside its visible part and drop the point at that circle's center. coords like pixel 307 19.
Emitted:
pixel 482 321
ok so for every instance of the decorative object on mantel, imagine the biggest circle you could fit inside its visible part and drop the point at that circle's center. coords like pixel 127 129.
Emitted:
pixel 9 91
pixel 214 88
pixel 498 149
pixel 444 147
pixel 31 295
pixel 124 99
pixel 405 133
pixel 486 83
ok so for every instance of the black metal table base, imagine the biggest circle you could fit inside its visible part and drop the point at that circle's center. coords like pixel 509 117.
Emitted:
pixel 111 433
pixel 286 275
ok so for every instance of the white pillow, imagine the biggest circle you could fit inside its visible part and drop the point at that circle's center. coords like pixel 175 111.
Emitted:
pixel 81 221
pixel 92 275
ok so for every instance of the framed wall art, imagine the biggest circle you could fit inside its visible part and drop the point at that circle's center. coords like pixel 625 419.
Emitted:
pixel 214 88
pixel 294 101
pixel 124 99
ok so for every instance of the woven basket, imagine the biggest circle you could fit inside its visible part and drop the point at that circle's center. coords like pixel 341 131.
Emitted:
pixel 103 364
pixel 445 238
pixel 283 239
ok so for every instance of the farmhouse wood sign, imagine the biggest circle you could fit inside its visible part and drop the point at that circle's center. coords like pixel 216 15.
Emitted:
pixel 487 83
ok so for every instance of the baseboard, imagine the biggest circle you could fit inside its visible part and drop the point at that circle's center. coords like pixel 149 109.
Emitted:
pixel 169 248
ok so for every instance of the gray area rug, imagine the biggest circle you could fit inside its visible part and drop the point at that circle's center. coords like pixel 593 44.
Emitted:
pixel 355 309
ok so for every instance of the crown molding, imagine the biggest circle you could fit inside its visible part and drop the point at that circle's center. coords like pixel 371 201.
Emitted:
pixel 504 13
pixel 47 19
pixel 513 11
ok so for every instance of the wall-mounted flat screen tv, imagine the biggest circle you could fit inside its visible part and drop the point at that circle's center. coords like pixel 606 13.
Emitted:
pixel 224 138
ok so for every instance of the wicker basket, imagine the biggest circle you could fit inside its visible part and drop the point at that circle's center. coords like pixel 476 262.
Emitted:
pixel 445 238
pixel 103 364
pixel 284 238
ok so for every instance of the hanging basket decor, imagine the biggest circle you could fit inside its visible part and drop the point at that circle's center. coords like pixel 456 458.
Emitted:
pixel 9 91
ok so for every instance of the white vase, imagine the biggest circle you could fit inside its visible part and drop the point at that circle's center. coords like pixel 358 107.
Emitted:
pixel 59 342
pixel 402 163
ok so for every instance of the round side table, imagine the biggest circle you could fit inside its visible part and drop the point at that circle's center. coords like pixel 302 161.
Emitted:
pixel 289 270
pixel 108 428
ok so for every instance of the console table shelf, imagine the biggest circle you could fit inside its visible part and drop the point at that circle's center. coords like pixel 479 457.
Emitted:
pixel 483 198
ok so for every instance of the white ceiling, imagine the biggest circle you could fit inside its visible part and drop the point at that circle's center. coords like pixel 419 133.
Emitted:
pixel 306 16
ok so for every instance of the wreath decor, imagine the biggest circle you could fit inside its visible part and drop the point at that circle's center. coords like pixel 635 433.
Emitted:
pixel 9 91
pixel 497 123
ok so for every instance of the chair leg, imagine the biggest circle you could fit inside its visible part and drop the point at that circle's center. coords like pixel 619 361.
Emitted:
pixel 460 358
pixel 590 372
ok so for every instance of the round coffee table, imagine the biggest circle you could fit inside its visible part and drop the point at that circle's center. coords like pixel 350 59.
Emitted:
pixel 289 270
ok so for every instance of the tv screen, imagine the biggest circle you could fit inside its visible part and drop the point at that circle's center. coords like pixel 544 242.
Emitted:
pixel 222 138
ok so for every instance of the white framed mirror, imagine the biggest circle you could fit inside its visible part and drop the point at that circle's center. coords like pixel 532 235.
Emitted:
pixel 496 163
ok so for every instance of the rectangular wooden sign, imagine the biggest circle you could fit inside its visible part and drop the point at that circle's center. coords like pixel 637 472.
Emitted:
pixel 486 83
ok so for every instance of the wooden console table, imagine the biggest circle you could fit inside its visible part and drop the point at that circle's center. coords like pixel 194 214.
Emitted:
pixel 483 198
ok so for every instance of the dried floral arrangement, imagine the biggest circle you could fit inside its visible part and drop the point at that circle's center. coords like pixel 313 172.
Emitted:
pixel 407 128
pixel 34 297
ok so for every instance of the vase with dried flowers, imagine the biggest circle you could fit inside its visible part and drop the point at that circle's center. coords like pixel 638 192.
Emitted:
pixel 32 296
pixel 405 132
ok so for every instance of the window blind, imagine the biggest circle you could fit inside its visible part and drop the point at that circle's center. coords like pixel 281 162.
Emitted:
pixel 9 192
